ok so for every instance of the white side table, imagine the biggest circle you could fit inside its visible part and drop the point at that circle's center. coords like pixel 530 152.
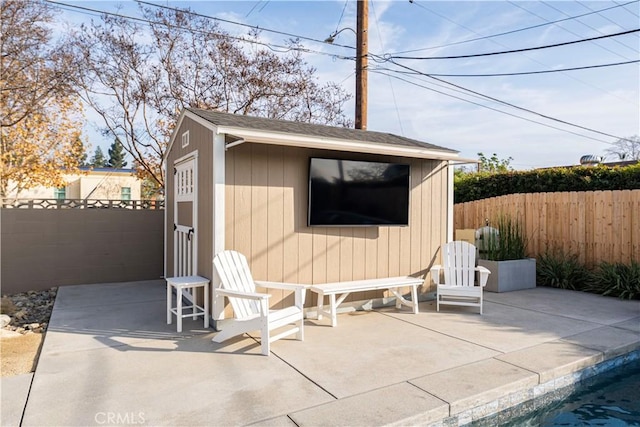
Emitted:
pixel 181 284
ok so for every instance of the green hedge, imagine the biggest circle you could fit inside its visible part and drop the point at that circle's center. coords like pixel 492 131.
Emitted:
pixel 475 186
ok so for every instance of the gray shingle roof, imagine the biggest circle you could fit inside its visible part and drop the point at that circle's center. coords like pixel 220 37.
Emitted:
pixel 309 129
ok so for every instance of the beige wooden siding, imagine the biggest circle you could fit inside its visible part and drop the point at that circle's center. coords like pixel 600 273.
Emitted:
pixel 200 139
pixel 266 219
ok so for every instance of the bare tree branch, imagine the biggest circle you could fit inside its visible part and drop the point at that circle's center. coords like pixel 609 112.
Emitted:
pixel 148 75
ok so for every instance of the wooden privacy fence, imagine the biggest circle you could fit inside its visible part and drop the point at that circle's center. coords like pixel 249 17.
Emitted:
pixel 595 225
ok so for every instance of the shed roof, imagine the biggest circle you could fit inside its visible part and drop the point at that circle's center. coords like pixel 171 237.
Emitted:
pixel 282 132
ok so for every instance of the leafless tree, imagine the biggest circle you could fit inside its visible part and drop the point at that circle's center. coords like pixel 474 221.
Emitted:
pixel 626 148
pixel 138 78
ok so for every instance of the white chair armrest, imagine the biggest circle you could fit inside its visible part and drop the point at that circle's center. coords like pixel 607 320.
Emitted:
pixel 435 274
pixel 484 274
pixel 300 289
pixel 238 294
pixel 279 285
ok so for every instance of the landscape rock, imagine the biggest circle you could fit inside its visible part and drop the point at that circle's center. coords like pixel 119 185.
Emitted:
pixel 4 320
pixel 7 306
pixel 28 311
pixel 21 336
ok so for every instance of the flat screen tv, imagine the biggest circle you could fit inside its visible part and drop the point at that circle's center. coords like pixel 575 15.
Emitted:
pixel 358 193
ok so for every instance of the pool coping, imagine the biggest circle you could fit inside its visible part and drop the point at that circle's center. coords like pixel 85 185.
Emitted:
pixel 526 400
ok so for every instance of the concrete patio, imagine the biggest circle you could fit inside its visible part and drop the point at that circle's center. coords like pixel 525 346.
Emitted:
pixel 110 359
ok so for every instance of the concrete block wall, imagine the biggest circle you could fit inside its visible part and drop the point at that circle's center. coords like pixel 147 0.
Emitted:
pixel 43 248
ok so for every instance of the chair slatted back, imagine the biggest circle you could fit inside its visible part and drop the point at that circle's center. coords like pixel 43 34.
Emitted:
pixel 234 272
pixel 459 261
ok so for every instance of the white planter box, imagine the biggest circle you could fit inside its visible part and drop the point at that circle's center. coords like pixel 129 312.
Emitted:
pixel 507 276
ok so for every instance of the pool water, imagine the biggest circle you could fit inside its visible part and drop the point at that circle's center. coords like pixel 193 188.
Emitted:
pixel 608 399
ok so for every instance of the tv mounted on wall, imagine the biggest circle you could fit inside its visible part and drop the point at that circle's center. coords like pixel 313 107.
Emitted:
pixel 358 193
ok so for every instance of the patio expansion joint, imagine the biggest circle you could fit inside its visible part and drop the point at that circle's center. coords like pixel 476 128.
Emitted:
pixel 604 355
pixel 615 325
pixel 487 404
pixel 24 408
pixel 406 419
pixel 291 419
pixel 431 394
pixel 537 374
pixel 444 334
pixel 550 314
pixel 299 372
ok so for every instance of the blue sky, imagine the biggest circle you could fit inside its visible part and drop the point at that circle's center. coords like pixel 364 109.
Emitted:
pixel 603 99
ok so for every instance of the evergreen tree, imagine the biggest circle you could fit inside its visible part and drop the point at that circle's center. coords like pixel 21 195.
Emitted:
pixel 82 156
pixel 116 155
pixel 98 160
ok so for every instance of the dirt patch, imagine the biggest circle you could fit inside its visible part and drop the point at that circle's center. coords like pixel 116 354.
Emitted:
pixel 24 318
pixel 20 353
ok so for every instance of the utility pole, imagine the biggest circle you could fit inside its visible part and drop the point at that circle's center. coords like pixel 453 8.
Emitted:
pixel 362 50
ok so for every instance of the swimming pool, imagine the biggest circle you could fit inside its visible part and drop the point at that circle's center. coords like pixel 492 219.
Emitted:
pixel 608 399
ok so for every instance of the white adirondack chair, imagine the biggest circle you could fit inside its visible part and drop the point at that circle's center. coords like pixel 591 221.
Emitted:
pixel 459 268
pixel 250 308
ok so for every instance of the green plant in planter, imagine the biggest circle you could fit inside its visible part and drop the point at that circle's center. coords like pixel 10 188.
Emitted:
pixel 509 243
pixel 560 270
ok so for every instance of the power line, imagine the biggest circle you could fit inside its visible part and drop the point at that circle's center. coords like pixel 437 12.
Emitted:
pixel 393 92
pixel 227 21
pixel 507 32
pixel 253 8
pixel 491 108
pixel 476 55
pixel 628 11
pixel 342 14
pixel 256 5
pixel 524 73
pixel 271 46
pixel 567 30
pixel 547 65
pixel 598 12
pixel 590 26
pixel 510 104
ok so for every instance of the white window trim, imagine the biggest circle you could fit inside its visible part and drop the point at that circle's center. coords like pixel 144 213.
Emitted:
pixel 185 139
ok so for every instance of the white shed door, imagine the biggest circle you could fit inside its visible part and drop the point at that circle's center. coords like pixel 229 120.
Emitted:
pixel 185 208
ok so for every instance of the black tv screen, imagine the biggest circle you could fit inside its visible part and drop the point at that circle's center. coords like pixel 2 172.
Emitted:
pixel 358 193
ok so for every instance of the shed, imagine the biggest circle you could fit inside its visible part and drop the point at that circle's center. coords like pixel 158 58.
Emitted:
pixel 242 183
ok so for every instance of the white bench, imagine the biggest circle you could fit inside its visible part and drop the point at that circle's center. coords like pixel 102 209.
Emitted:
pixel 337 292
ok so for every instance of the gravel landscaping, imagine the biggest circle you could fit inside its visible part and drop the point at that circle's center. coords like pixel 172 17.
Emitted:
pixel 24 319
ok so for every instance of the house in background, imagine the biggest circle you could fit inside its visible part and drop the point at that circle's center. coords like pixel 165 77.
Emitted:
pixel 243 183
pixel 91 184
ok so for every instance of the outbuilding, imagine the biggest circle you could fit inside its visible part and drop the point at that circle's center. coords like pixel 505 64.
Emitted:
pixel 243 183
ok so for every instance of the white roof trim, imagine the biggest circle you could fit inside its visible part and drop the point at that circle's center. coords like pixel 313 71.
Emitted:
pixel 207 124
pixel 306 141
